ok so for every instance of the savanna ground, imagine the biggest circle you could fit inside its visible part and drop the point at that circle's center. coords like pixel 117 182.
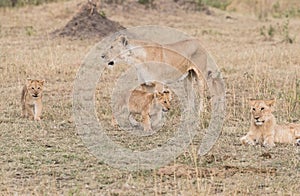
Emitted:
pixel 48 157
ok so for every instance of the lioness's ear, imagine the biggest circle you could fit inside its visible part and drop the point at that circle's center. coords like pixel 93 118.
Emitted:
pixel 124 40
pixel 270 102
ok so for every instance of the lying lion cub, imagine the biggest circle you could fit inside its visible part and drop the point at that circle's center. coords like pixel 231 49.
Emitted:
pixel 144 103
pixel 264 129
pixel 31 99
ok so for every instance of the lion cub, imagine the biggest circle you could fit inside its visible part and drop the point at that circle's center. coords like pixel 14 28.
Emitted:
pixel 31 99
pixel 264 129
pixel 144 103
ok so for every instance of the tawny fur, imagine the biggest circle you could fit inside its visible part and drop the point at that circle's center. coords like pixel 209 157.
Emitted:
pixel 31 99
pixel 143 103
pixel 265 130
pixel 144 51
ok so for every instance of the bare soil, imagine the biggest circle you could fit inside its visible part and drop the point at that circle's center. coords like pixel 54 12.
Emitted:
pixel 88 23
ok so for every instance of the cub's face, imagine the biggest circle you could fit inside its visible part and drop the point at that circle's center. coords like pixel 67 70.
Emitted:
pixel 164 99
pixel 261 111
pixel 35 88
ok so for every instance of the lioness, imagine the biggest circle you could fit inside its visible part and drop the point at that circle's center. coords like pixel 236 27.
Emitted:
pixel 31 99
pixel 143 103
pixel 184 55
pixel 264 129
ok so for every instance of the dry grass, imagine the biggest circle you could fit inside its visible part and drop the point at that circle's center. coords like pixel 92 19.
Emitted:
pixel 48 157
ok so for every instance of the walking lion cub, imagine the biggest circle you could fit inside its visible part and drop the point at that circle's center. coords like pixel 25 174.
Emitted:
pixel 146 103
pixel 264 129
pixel 31 99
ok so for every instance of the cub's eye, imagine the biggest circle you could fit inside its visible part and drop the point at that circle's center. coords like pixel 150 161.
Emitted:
pixel 32 88
pixel 253 109
pixel 103 56
pixel 165 101
pixel 262 108
pixel 111 47
pixel 38 87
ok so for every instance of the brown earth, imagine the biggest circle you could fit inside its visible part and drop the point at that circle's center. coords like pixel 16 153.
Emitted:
pixel 88 23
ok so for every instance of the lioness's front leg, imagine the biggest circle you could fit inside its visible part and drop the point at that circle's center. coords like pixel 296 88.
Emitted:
pixel 251 138
pixel 269 141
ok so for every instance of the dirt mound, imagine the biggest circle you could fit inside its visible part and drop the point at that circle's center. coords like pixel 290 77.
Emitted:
pixel 88 23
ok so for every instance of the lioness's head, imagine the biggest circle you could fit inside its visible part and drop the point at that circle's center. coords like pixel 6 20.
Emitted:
pixel 261 110
pixel 117 48
pixel 164 99
pixel 35 87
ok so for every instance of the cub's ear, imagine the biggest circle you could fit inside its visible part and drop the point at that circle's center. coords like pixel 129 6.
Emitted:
pixel 124 40
pixel 42 81
pixel 270 102
pixel 156 93
pixel 28 81
pixel 148 84
pixel 252 101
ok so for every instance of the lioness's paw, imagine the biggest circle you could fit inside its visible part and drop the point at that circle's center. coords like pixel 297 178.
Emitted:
pixel 246 141
pixel 268 144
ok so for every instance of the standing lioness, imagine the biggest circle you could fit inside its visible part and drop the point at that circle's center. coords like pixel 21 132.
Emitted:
pixel 187 56
pixel 264 129
pixel 31 99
